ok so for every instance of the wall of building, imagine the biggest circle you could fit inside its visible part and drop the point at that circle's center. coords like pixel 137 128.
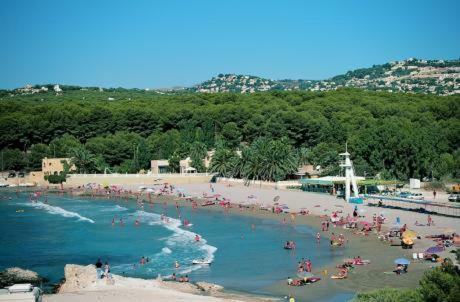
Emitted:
pixel 54 165
pixel 136 179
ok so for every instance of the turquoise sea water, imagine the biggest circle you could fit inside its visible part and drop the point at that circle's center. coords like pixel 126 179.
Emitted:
pixel 45 237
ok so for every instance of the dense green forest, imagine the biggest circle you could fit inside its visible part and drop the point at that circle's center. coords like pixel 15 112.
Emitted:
pixel 394 135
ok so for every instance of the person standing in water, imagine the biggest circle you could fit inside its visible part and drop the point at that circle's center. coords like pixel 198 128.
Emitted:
pixel 332 238
pixel 308 266
pixel 318 237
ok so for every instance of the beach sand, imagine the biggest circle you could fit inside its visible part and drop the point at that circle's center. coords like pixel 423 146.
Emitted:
pixel 381 254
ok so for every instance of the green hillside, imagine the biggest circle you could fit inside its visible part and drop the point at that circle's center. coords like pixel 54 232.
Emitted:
pixel 394 134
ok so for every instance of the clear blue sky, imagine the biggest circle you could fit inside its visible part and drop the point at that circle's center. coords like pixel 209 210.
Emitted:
pixel 167 43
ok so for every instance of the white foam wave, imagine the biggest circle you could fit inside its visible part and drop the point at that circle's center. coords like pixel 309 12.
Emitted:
pixel 166 250
pixel 57 211
pixel 180 237
pixel 116 208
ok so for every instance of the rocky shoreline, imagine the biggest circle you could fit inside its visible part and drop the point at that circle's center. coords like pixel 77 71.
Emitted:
pixel 83 280
pixel 14 275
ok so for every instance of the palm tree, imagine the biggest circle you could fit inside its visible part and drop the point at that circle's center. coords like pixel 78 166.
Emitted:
pixel 222 162
pixel 304 156
pixel 279 160
pixel 268 160
pixel 83 160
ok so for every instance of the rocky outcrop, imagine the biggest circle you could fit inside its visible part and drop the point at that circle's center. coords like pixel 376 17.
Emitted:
pixel 14 275
pixel 78 277
pixel 209 287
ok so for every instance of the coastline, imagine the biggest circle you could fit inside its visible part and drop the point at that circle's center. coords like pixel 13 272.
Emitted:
pixel 368 247
pixel 81 284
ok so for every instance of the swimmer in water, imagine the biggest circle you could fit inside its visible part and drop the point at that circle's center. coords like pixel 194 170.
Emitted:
pixel 197 238
pixel 136 222
pixel 113 221
pixel 176 264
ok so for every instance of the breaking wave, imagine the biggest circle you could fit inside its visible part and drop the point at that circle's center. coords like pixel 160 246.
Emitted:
pixel 182 239
pixel 116 208
pixel 58 211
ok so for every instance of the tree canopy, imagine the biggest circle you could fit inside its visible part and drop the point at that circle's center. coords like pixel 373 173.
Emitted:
pixel 398 135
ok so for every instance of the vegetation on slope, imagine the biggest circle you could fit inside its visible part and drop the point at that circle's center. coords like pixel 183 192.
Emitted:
pixel 396 135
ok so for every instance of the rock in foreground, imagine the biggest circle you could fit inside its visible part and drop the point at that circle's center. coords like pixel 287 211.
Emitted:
pixel 14 275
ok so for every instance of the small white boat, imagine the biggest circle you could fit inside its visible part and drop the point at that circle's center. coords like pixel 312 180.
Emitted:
pixel 202 261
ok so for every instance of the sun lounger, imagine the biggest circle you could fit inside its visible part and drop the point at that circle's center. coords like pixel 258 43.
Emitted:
pixel 415 256
pixel 421 256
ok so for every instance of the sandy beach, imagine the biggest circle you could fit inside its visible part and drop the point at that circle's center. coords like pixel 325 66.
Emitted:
pixel 362 278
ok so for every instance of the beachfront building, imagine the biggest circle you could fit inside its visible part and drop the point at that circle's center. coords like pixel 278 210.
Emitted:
pixel 54 165
pixel 307 171
pixel 333 185
pixel 161 166
pixel 186 166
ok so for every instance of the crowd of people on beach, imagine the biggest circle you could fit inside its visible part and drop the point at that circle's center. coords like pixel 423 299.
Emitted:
pixel 336 219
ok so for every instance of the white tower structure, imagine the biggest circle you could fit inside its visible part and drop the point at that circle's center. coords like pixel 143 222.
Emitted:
pixel 349 176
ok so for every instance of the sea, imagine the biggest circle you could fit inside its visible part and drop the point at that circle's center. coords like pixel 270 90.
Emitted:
pixel 247 252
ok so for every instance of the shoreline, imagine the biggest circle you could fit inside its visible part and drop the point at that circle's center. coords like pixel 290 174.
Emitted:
pixel 369 247
pixel 81 283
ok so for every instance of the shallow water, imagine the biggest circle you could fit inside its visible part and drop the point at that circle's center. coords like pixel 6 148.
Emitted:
pixel 45 237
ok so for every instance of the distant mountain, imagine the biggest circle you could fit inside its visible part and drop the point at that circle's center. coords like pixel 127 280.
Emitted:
pixel 413 75
pixel 440 77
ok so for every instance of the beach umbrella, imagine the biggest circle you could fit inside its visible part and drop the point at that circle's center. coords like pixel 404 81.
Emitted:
pixel 305 275
pixel 277 198
pixel 409 234
pixel 407 241
pixel 402 261
pixel 434 250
